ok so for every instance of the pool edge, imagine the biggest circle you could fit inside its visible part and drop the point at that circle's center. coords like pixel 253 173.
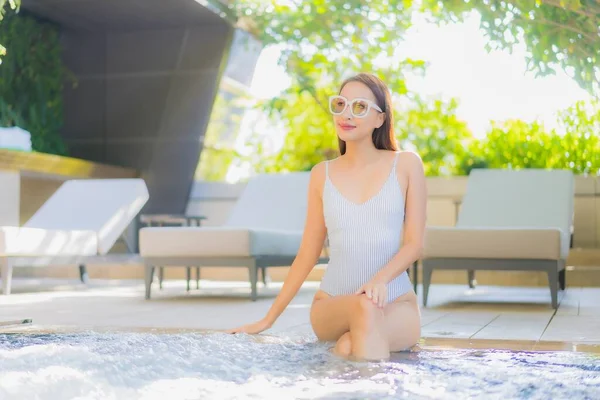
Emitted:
pixel 425 344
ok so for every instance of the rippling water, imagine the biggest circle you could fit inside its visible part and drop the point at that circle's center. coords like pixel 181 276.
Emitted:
pixel 220 366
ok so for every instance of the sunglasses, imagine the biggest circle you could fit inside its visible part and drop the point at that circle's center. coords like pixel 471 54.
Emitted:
pixel 359 108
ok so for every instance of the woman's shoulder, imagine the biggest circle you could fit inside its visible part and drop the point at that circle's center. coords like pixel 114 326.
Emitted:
pixel 408 161
pixel 318 173
pixel 408 156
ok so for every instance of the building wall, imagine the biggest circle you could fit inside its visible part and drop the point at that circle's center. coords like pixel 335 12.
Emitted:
pixel 143 100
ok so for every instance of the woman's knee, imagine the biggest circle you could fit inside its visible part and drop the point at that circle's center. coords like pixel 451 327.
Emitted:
pixel 367 312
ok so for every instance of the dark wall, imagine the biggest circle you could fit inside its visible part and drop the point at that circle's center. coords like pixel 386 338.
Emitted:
pixel 143 100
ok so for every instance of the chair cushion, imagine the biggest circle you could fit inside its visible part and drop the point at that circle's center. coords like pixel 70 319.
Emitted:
pixel 495 243
pixel 272 202
pixel 217 242
pixel 105 206
pixel 503 198
pixel 19 241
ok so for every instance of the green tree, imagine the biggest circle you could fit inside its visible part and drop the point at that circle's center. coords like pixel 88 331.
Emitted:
pixel 13 5
pixel 32 77
pixel 434 130
pixel 579 147
pixel 324 41
pixel 517 144
pixel 310 135
pixel 556 33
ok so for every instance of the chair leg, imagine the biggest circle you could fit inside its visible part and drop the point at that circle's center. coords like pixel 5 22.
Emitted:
pixel 149 273
pixel 553 283
pixel 562 279
pixel 415 275
pixel 472 281
pixel 197 277
pixel 427 272
pixel 161 276
pixel 83 274
pixel 6 270
pixel 253 271
pixel 188 277
pixel 265 277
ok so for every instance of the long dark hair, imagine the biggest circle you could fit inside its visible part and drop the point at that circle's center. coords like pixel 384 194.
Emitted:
pixel 383 137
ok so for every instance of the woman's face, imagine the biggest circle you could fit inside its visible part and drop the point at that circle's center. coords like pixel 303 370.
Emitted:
pixel 351 127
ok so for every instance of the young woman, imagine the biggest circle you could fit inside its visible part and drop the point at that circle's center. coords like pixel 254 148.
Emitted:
pixel 371 203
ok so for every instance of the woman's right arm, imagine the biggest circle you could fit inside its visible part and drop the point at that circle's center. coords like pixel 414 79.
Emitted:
pixel 311 247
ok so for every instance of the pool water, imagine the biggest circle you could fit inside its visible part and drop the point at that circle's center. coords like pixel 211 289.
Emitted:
pixel 220 366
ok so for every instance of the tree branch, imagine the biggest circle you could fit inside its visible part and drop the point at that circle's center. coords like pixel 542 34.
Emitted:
pixel 591 38
pixel 581 11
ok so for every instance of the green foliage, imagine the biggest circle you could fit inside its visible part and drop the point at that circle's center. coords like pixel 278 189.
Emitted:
pixel 436 133
pixel 556 33
pixel 31 81
pixel 218 151
pixel 309 138
pixel 516 144
pixel 325 41
pixel 581 143
pixel 13 5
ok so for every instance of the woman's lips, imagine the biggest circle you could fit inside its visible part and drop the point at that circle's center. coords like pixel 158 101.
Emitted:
pixel 346 127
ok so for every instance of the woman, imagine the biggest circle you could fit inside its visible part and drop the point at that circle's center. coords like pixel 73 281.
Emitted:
pixel 371 203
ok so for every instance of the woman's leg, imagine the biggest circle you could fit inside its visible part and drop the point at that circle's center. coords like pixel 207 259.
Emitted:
pixel 332 317
pixel 363 330
pixel 403 322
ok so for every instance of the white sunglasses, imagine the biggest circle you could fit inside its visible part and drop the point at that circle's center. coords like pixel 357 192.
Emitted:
pixel 359 107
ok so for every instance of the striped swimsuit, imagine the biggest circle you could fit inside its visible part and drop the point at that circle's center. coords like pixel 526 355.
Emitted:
pixel 363 238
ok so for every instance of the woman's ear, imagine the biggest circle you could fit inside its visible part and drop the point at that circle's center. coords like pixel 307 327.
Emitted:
pixel 380 120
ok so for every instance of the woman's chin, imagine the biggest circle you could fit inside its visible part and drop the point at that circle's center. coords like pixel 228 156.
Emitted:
pixel 350 137
pixel 347 135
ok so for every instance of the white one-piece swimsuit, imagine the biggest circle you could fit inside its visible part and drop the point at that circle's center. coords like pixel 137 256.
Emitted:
pixel 363 238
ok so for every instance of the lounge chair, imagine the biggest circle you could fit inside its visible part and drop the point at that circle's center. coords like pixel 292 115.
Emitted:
pixel 78 224
pixel 263 230
pixel 509 220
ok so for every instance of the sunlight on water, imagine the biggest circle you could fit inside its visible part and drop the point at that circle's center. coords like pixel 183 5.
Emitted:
pixel 211 366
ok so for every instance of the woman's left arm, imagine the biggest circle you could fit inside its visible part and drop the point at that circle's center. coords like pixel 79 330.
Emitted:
pixel 414 225
pixel 414 230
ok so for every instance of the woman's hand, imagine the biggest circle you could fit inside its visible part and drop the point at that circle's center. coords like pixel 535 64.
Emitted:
pixel 376 291
pixel 252 329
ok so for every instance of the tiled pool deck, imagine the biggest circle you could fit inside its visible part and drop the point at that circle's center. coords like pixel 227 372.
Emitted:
pixel 485 317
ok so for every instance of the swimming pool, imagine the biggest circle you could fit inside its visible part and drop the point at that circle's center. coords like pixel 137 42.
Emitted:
pixel 220 366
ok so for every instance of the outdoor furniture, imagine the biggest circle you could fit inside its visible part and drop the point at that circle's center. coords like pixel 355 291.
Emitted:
pixel 264 230
pixel 78 224
pixel 519 220
pixel 174 220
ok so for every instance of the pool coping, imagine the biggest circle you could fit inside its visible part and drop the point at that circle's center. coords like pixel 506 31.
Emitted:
pixel 425 343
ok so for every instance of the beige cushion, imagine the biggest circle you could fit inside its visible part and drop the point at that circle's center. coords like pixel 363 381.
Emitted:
pixel 15 241
pixel 495 243
pixel 524 213
pixel 217 242
pixel 268 219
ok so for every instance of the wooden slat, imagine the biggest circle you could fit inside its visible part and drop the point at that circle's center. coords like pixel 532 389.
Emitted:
pixel 49 165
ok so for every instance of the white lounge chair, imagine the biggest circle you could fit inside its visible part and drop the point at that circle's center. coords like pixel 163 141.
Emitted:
pixel 264 230
pixel 509 220
pixel 79 223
